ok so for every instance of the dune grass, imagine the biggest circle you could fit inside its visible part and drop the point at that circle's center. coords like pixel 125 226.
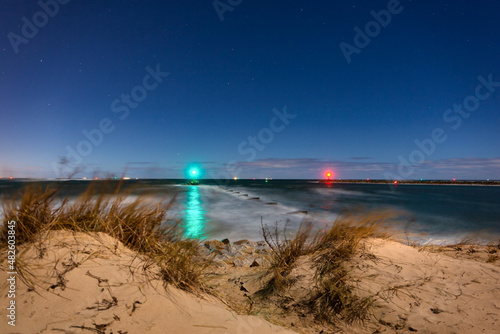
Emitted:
pixel 332 294
pixel 285 253
pixel 138 223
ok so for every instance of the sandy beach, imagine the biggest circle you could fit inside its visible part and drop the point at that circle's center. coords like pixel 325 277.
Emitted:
pixel 86 284
pixel 91 283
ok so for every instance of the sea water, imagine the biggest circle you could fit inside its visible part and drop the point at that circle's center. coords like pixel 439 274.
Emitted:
pixel 237 209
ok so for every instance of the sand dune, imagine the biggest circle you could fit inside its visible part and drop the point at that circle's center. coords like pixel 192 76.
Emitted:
pixel 87 284
pixel 93 284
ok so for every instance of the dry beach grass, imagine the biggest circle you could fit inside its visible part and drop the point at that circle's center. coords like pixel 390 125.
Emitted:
pixel 106 263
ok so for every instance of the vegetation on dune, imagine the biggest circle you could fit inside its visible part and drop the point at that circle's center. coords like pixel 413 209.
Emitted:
pixel 285 253
pixel 139 224
pixel 336 247
pixel 143 226
pixel 332 295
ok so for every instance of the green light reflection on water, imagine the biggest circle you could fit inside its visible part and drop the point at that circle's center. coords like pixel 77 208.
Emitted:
pixel 194 215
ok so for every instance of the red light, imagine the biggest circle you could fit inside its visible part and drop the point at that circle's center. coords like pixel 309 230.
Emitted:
pixel 395 182
pixel 328 174
pixel 454 180
pixel 11 177
pixel 367 179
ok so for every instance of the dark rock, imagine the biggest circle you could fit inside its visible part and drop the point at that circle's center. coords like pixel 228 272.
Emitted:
pixel 254 264
pixel 436 310
pixel 226 241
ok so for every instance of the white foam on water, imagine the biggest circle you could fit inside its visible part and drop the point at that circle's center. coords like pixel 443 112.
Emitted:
pixel 233 216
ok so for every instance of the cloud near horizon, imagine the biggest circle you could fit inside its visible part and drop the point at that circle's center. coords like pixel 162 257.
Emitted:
pixel 294 168
pixel 459 168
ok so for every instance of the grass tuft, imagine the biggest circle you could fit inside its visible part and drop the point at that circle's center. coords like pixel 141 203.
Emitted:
pixel 285 253
pixel 139 224
pixel 335 297
pixel 338 244
pixel 33 210
pixel 331 296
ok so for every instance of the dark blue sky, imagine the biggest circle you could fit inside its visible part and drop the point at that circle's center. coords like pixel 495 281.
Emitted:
pixel 361 119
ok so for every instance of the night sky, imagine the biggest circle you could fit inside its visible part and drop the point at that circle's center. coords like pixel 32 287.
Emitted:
pixel 253 89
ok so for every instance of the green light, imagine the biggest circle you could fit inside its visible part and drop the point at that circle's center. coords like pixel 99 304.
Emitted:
pixel 193 173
